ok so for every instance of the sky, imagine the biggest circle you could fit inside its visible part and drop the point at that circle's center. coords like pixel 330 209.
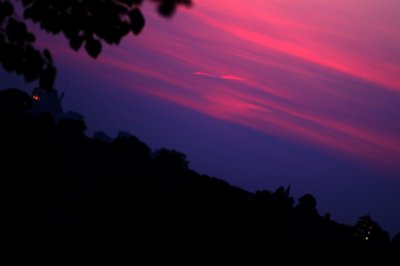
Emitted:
pixel 261 93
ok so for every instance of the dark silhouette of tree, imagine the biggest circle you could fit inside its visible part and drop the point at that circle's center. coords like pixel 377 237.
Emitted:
pixel 396 241
pixel 308 205
pixel 307 220
pixel 85 23
pixel 71 127
pixel 171 159
pixel 77 193
pixel 14 104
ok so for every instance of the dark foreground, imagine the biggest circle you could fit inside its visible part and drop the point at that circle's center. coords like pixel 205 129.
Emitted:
pixel 65 192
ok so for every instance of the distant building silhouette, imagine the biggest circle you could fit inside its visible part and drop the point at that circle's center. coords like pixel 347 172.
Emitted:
pixel 44 101
pixel 367 230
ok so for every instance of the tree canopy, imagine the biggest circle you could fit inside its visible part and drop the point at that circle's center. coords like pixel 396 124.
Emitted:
pixel 118 195
pixel 84 23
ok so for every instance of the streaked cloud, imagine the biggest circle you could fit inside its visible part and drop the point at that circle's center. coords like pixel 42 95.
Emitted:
pixel 227 77
pixel 323 73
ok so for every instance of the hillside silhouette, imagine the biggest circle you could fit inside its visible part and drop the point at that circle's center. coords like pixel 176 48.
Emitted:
pixel 80 193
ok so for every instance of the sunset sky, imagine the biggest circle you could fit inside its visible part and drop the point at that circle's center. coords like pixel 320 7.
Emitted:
pixel 261 93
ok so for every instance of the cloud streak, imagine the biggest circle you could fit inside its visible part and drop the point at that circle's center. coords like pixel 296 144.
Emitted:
pixel 320 73
pixel 227 77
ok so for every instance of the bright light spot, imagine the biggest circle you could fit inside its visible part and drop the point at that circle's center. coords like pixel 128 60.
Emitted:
pixel 231 77
pixel 36 97
pixel 366 238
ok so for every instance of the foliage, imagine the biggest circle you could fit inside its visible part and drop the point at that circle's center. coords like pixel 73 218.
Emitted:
pixel 84 23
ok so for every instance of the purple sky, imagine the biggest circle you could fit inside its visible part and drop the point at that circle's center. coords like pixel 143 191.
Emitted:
pixel 261 94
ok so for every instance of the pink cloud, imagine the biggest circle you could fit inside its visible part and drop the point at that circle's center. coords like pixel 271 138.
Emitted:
pixel 327 76
pixel 231 77
pixel 325 46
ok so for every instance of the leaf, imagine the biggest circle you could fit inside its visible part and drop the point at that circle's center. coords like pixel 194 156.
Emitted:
pixel 27 2
pixel 166 9
pixel 132 2
pixel 30 74
pixel 47 55
pixel 16 30
pixel 7 8
pixel 137 21
pixel 76 42
pixel 93 47
pixel 8 53
pixel 29 37
pixel 48 77
pixel 32 64
pixel 32 13
pixel 34 58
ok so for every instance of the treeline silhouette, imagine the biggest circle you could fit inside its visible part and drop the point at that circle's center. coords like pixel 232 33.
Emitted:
pixel 71 191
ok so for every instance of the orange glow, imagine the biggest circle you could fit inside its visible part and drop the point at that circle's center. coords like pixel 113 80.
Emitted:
pixel 36 98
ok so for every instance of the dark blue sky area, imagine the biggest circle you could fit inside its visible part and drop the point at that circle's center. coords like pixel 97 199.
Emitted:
pixel 241 156
pixel 261 95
